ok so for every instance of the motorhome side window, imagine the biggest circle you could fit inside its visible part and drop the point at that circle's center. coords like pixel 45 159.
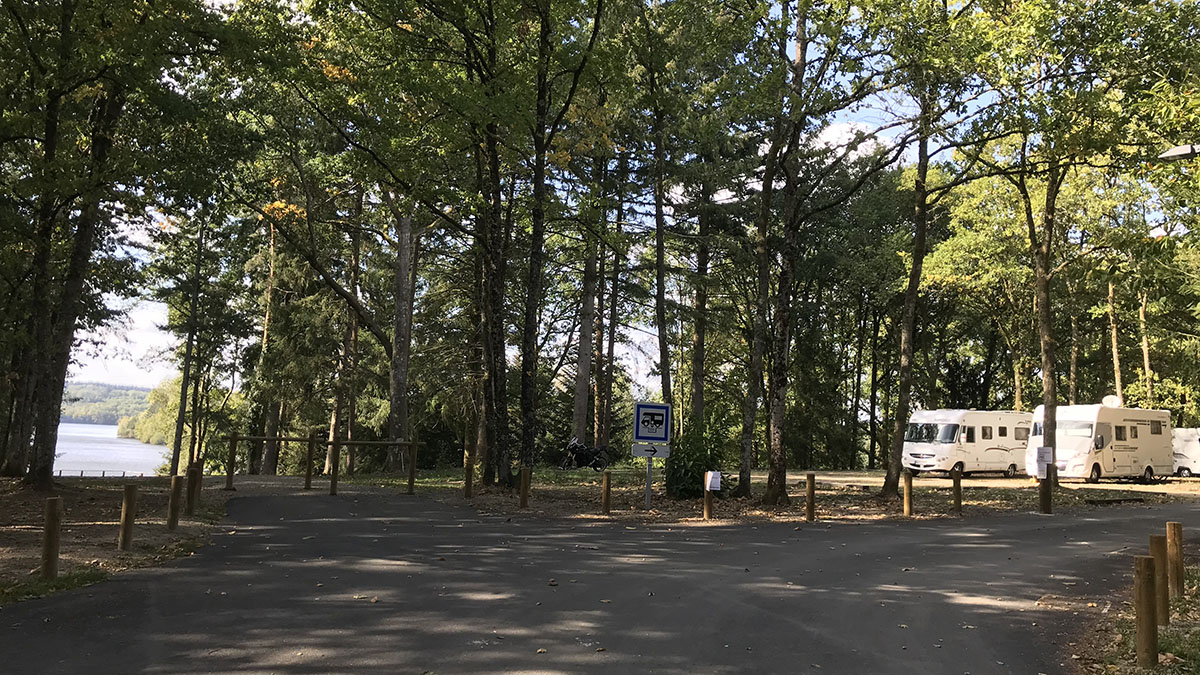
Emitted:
pixel 1119 433
pixel 1132 431
pixel 970 434
pixel 1156 428
pixel 1020 434
pixel 1003 431
pixel 985 433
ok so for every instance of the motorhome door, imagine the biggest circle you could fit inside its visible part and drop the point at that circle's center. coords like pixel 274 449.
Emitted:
pixel 1105 454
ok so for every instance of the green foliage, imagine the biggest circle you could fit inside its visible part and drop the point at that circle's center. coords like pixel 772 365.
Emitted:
pixel 36 588
pixel 691 455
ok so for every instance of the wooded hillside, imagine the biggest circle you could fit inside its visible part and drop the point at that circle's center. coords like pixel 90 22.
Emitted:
pixel 97 403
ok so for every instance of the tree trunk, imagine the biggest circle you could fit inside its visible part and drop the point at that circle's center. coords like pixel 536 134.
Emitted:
pixel 598 348
pixel 583 361
pixel 1073 377
pixel 856 395
pixel 660 263
pixel 874 419
pixel 891 481
pixel 1116 350
pixel 1018 366
pixel 614 302
pixel 700 311
pixel 758 323
pixel 189 346
pixel 270 459
pixel 106 113
pixel 1147 372
pixel 402 308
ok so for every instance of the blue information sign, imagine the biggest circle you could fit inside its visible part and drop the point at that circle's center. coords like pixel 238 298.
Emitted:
pixel 651 423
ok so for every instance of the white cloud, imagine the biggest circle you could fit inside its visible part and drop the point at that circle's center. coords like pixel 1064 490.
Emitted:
pixel 128 353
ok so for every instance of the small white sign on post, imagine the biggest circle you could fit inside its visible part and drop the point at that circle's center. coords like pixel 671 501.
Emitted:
pixel 712 481
pixel 1044 457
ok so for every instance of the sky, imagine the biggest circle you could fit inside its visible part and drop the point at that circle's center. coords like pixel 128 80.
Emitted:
pixel 128 352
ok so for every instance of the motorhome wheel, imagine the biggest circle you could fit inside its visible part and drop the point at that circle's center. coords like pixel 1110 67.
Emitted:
pixel 1185 472
pixel 959 468
pixel 1011 471
pixel 1094 476
pixel 1148 476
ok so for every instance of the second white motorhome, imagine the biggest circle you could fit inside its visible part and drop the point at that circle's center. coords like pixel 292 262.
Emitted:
pixel 1096 441
pixel 1187 452
pixel 967 440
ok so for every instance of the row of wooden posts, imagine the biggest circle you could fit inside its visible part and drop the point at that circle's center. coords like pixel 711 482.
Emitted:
pixel 313 442
pixel 810 494
pixel 1157 579
pixel 52 530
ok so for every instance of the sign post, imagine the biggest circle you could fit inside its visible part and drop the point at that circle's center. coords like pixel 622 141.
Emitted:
pixel 651 436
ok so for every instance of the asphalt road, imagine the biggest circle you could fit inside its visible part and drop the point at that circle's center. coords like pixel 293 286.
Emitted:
pixel 369 584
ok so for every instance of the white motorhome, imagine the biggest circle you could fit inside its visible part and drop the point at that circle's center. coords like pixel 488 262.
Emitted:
pixel 1187 451
pixel 1095 441
pixel 967 440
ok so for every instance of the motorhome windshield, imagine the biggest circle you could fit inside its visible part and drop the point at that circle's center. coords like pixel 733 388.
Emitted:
pixel 930 433
pixel 1067 428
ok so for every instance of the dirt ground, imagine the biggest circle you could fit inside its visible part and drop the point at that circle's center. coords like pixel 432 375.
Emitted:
pixel 91 518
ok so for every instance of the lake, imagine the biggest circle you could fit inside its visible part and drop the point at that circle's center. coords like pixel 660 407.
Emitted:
pixel 93 448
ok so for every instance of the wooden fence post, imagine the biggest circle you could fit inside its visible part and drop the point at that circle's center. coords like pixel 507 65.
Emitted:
pixel 1175 573
pixel 525 477
pixel 128 513
pixel 908 492
pixel 956 475
pixel 173 502
pixel 194 476
pixel 412 469
pixel 1143 603
pixel 708 503
pixel 229 465
pixel 308 461
pixel 810 497
pixel 606 493
pixel 1162 603
pixel 51 537
pixel 337 460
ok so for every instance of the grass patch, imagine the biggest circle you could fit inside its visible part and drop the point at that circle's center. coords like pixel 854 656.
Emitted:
pixel 1113 648
pixel 36 588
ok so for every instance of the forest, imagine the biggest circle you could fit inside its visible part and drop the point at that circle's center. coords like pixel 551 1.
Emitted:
pixel 491 225
pixel 96 403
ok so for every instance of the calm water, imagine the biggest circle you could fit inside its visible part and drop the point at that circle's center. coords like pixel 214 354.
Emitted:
pixel 93 448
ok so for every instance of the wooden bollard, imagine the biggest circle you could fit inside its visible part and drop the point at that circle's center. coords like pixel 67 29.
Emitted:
pixel 524 486
pixel 908 493
pixel 1143 603
pixel 51 537
pixel 308 461
pixel 606 493
pixel 337 460
pixel 1175 571
pixel 173 502
pixel 708 504
pixel 956 476
pixel 810 497
pixel 1162 603
pixel 128 513
pixel 412 469
pixel 194 476
pixel 231 463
